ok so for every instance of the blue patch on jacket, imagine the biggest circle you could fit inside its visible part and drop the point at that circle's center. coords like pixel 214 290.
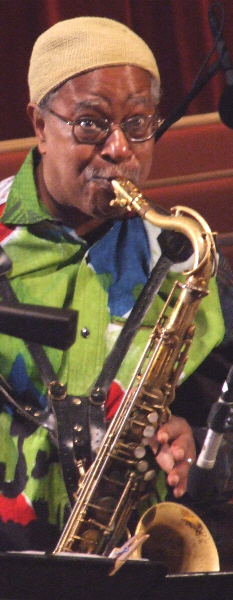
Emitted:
pixel 123 253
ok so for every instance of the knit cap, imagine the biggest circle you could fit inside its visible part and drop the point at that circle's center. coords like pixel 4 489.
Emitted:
pixel 78 45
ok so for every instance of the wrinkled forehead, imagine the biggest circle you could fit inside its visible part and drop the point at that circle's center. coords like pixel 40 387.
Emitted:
pixel 124 84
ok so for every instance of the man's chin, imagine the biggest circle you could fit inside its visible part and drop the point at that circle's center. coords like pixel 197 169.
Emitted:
pixel 101 204
pixel 109 212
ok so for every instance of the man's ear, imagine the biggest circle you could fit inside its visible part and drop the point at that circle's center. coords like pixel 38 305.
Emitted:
pixel 38 121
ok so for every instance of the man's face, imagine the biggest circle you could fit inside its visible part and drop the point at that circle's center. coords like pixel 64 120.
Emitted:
pixel 77 177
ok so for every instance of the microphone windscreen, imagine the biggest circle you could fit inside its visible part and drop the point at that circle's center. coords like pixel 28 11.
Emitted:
pixel 225 107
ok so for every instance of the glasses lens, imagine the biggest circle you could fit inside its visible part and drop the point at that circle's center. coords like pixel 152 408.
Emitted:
pixel 140 128
pixel 89 131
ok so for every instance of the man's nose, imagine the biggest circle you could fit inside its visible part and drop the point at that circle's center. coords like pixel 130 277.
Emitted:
pixel 116 148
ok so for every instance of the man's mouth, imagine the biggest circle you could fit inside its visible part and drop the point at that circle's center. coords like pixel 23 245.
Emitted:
pixel 100 185
pixel 104 184
pixel 108 174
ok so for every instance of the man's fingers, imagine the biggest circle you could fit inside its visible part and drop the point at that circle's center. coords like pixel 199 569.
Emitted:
pixel 175 447
pixel 165 458
pixel 171 430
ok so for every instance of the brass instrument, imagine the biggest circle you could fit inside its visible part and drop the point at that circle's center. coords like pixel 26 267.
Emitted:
pixel 178 538
pixel 124 466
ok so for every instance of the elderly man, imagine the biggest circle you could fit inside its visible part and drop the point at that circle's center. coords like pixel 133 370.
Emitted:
pixel 94 92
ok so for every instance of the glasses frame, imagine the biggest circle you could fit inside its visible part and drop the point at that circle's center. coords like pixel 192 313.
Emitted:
pixel 109 126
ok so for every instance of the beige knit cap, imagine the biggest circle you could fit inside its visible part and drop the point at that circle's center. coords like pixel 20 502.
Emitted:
pixel 81 44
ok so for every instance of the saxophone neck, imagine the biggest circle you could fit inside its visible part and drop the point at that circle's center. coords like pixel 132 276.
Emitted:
pixel 180 219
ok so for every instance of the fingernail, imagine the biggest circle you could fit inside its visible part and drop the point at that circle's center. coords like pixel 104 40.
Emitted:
pixel 174 480
pixel 163 437
pixel 178 493
pixel 179 455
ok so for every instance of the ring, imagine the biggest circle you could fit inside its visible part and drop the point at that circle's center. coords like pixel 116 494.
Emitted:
pixel 190 461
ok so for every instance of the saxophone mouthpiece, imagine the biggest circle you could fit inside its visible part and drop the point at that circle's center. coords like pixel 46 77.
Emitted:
pixel 123 190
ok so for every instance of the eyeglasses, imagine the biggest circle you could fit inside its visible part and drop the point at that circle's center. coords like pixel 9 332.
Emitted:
pixel 94 130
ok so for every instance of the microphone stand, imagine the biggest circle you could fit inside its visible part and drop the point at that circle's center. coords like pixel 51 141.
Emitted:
pixel 201 478
pixel 199 83
pixel 180 110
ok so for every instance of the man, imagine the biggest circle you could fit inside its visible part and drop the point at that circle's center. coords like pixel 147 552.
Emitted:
pixel 94 92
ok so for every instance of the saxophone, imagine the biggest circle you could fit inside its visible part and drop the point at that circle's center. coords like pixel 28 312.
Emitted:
pixel 124 468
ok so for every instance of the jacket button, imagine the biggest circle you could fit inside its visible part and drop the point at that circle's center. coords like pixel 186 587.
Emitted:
pixel 85 332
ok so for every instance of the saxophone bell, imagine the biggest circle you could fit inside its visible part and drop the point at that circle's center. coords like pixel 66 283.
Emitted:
pixel 178 538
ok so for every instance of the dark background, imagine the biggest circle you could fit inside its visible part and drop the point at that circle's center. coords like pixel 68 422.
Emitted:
pixel 177 31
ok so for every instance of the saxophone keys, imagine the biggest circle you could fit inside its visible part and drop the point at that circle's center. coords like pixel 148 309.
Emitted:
pixel 142 466
pixel 153 418
pixel 139 452
pixel 149 475
pixel 149 431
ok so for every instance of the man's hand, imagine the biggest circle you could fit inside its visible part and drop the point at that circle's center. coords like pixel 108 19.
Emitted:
pixel 177 452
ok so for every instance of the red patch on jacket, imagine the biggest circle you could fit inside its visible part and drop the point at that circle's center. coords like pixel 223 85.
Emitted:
pixel 114 399
pixel 16 509
pixel 5 230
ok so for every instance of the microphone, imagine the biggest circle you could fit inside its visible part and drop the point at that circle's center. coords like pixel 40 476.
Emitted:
pixel 225 107
pixel 201 478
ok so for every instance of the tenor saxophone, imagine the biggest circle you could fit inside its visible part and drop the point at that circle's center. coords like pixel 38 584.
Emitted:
pixel 124 466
